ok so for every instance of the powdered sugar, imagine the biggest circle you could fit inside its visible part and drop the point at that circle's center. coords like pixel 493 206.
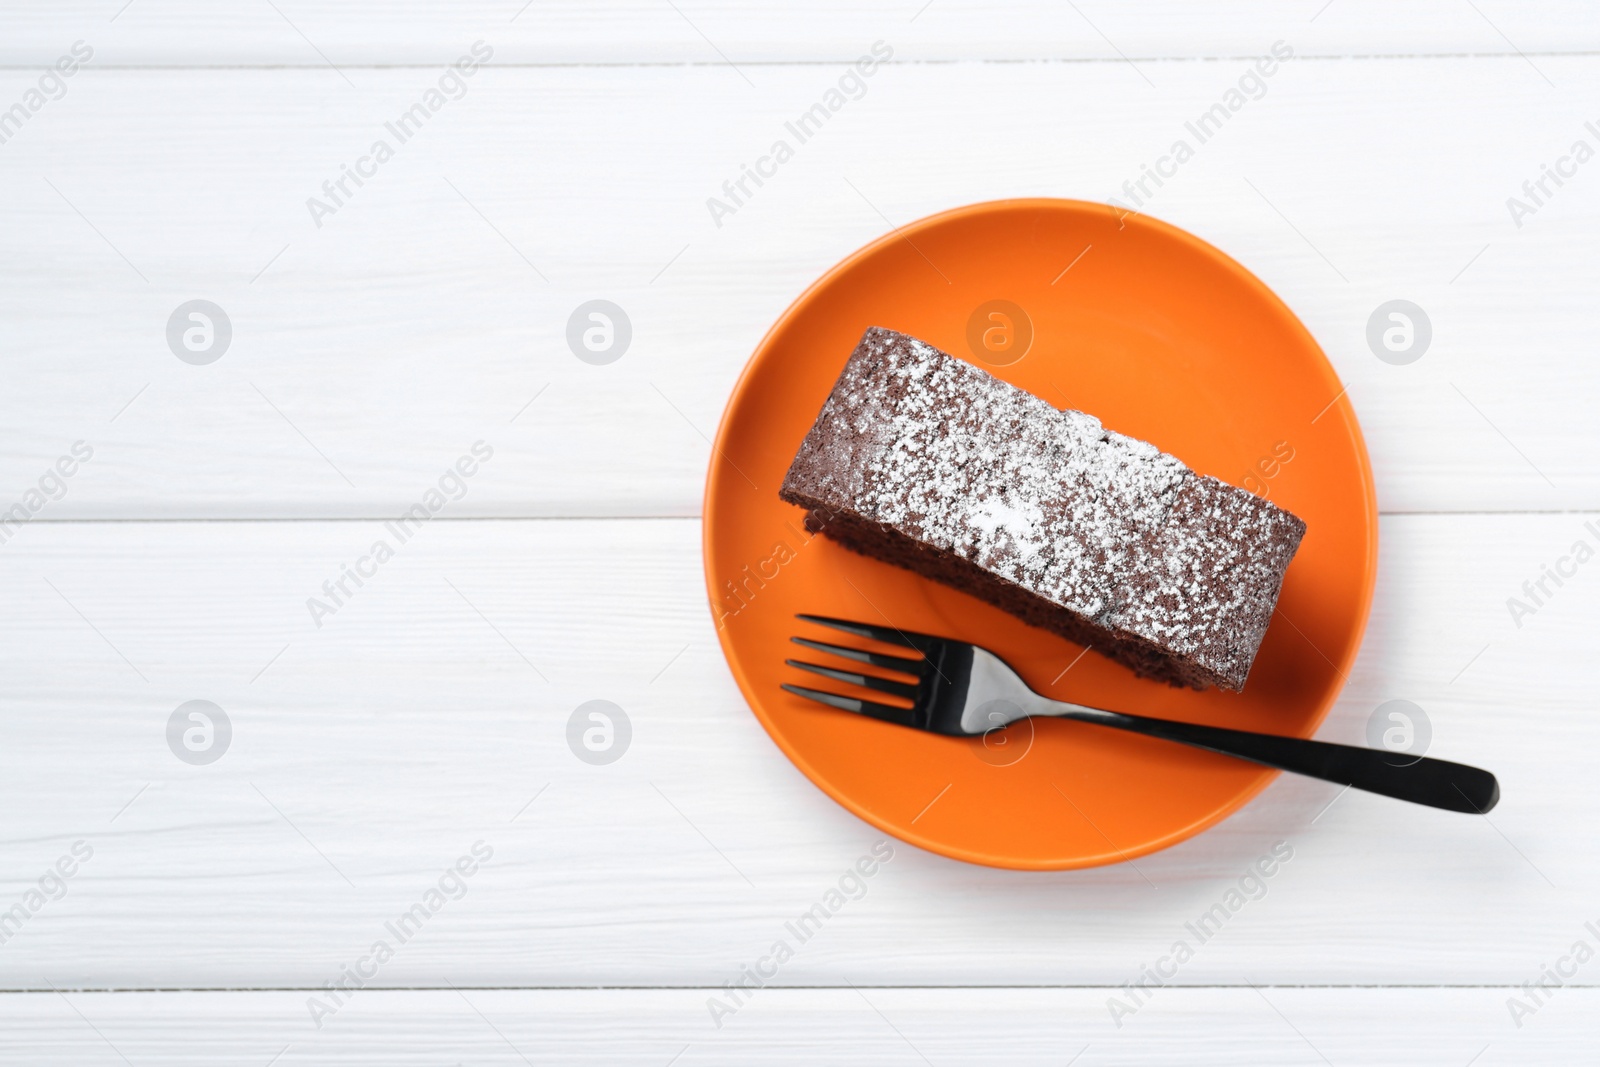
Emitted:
pixel 972 465
pixel 1019 525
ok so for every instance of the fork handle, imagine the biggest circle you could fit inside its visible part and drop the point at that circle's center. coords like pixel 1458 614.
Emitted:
pixel 1435 782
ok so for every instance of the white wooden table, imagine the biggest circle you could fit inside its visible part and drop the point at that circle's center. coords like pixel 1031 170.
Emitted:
pixel 209 905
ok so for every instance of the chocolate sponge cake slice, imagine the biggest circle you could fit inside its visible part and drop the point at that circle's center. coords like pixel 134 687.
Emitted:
pixel 928 462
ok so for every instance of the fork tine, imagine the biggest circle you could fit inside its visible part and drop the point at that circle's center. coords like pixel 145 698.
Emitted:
pixel 876 659
pixel 886 634
pixel 871 708
pixel 866 681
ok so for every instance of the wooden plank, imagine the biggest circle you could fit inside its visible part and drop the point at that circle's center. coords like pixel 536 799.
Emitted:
pixel 1271 1026
pixel 429 311
pixel 190 33
pixel 430 713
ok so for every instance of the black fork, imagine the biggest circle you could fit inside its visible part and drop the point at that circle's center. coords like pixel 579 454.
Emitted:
pixel 962 690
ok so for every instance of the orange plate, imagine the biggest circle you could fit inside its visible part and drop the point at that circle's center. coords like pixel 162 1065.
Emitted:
pixel 1162 337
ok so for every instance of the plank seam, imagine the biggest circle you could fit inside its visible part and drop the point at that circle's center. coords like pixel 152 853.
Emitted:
pixel 717 989
pixel 950 61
